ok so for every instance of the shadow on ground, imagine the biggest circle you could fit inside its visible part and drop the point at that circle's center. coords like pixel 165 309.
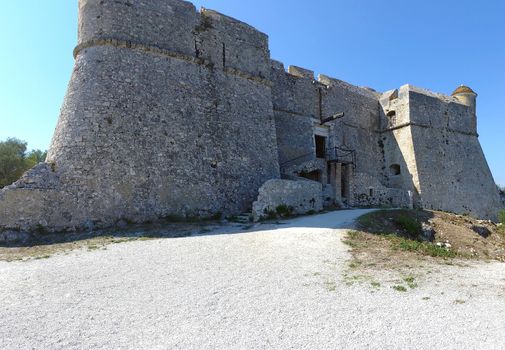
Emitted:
pixel 44 245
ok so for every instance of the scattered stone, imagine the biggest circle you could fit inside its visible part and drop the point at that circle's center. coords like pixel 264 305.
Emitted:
pixel 481 230
pixel 428 233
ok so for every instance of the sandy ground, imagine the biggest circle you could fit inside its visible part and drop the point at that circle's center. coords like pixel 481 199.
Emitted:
pixel 273 287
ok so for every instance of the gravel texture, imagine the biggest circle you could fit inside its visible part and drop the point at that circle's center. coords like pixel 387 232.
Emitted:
pixel 275 286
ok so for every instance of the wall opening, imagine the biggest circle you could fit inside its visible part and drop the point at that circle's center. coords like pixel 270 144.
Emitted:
pixel 346 183
pixel 391 114
pixel 224 56
pixel 395 169
pixel 313 175
pixel 320 146
pixel 328 173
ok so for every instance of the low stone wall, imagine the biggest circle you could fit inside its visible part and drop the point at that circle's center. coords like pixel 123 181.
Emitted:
pixel 369 192
pixel 297 197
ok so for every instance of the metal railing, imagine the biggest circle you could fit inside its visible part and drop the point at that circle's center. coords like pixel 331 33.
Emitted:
pixel 341 155
pixel 334 154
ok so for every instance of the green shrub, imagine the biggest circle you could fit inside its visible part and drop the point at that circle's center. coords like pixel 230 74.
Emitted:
pixel 501 217
pixel 284 210
pixel 269 214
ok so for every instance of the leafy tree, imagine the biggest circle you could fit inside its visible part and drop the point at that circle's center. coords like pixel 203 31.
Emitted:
pixel 35 157
pixel 14 160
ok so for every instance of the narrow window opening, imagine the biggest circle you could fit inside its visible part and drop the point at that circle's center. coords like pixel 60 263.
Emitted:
pixel 197 51
pixel 395 169
pixel 224 55
pixel 370 192
pixel 320 103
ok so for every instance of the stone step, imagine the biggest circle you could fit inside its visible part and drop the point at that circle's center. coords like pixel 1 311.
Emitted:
pixel 243 218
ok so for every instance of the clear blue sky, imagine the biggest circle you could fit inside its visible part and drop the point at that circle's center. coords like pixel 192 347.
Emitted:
pixel 382 44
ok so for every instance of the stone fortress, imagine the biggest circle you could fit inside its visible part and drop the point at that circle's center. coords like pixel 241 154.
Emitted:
pixel 173 112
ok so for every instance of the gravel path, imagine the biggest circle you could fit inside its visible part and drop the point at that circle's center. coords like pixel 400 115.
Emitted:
pixel 279 286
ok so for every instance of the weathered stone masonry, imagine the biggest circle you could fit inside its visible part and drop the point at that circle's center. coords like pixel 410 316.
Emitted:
pixel 170 111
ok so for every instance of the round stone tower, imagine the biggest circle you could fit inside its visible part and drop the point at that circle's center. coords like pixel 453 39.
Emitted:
pixel 156 122
pixel 466 96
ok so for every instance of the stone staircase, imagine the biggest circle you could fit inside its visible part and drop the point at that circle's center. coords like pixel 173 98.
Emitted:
pixel 244 218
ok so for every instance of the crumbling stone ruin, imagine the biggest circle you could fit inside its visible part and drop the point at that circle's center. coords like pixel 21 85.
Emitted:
pixel 174 112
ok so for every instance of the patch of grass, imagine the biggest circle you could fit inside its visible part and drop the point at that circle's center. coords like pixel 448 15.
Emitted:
pixel 409 279
pixel 352 244
pixel 409 224
pixel 410 282
pixel 375 284
pixel 42 257
pixel 426 298
pixel 330 286
pixel 366 220
pixel 146 238
pixel 354 264
pixel 399 288
pixel 354 240
pixel 459 301
pixel 425 248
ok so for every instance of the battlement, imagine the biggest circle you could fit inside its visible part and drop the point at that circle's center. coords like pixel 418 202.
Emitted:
pixel 175 28
pixel 411 105
pixel 167 24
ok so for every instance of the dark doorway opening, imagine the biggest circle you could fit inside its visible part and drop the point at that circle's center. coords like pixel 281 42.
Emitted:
pixel 344 182
pixel 320 146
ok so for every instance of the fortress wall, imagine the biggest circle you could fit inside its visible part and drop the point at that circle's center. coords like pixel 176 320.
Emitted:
pixel 294 94
pixel 361 105
pixel 451 167
pixel 394 111
pixel 300 102
pixel 295 102
pixel 146 132
pixel 396 141
pixel 439 111
pixel 357 130
pixel 295 136
pixel 231 44
pixel 164 123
